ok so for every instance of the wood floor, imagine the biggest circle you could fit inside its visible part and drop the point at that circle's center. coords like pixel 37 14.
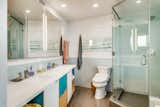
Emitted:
pixel 83 97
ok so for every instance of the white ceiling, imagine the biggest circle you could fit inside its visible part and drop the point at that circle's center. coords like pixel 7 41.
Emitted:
pixel 80 9
pixel 130 9
pixel 16 8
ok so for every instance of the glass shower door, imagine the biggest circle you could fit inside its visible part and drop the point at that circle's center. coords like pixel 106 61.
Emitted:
pixel 130 61
pixel 155 49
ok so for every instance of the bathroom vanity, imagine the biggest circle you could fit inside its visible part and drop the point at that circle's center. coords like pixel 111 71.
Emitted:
pixel 53 88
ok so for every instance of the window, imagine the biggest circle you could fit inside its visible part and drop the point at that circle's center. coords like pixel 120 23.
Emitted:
pixel 142 41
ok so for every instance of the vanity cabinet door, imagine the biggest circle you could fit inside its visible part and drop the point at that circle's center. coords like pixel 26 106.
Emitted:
pixel 63 91
pixel 69 86
pixel 51 95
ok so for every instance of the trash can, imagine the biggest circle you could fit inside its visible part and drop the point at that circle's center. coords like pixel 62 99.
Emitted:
pixel 32 105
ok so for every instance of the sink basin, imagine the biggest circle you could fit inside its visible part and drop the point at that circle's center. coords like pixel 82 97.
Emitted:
pixel 17 80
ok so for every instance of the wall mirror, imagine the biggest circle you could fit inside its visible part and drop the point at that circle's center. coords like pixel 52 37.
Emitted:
pixel 33 31
pixel 54 32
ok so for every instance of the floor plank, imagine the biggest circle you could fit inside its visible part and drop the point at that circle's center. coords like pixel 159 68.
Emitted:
pixel 83 97
pixel 131 100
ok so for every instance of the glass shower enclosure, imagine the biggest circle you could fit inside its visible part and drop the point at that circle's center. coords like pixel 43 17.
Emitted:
pixel 130 57
pixel 130 49
pixel 136 50
pixel 154 59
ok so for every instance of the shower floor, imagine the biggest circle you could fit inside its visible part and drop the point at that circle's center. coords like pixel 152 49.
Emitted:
pixel 130 100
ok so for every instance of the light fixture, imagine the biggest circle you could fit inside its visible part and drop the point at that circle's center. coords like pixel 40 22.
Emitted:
pixel 95 5
pixel 90 42
pixel 138 1
pixel 27 11
pixel 63 5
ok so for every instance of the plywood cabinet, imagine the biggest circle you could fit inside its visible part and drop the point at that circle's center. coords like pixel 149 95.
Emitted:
pixel 63 99
pixel 60 92
pixel 73 86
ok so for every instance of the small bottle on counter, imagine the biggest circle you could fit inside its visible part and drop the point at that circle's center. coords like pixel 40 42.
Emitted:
pixel 49 66
pixel 31 72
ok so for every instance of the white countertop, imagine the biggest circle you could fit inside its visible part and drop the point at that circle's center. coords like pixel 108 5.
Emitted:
pixel 13 62
pixel 20 93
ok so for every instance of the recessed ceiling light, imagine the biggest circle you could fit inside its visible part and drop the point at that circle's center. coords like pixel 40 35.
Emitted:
pixel 95 5
pixel 63 5
pixel 27 11
pixel 138 1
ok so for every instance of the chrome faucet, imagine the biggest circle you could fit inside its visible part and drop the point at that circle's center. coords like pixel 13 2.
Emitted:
pixel 26 74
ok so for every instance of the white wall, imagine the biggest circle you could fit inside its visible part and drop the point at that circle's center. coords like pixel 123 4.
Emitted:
pixel 91 28
pixel 95 28
pixel 3 53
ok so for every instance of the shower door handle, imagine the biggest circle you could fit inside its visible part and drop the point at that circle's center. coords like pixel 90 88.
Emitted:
pixel 144 60
pixel 132 40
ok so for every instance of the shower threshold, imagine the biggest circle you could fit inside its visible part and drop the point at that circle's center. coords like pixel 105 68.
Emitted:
pixel 128 99
pixel 117 93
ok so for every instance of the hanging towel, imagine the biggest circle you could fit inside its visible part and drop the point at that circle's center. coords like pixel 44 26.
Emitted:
pixel 65 51
pixel 60 47
pixel 79 59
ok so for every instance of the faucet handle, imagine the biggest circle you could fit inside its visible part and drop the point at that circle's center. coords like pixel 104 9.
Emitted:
pixel 20 75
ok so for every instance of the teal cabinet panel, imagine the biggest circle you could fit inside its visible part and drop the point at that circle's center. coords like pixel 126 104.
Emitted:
pixel 73 71
pixel 62 85
pixel 38 99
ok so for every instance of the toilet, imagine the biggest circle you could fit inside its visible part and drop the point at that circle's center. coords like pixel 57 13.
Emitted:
pixel 100 81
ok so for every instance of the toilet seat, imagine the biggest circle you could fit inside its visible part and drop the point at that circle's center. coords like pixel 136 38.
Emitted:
pixel 99 84
pixel 100 78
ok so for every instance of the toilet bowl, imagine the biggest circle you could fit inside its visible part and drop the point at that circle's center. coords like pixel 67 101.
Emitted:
pixel 100 81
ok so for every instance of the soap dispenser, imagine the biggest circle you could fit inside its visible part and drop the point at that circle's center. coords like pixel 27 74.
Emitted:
pixel 49 66
pixel 31 72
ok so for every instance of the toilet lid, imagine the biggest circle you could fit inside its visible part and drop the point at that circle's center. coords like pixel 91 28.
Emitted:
pixel 101 77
